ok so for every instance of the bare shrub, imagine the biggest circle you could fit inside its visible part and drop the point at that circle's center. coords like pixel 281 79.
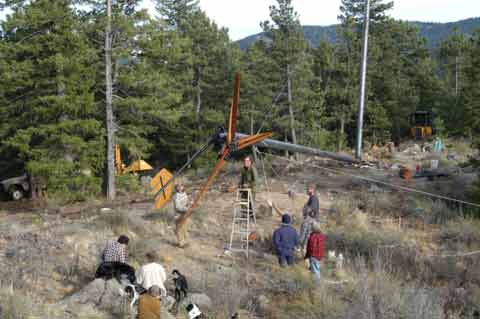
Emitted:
pixel 461 230
pixel 378 295
pixel 439 213
pixel 14 305
pixel 342 209
pixel 290 282
pixel 117 221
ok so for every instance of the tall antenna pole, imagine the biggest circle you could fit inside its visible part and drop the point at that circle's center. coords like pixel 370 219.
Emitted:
pixel 363 75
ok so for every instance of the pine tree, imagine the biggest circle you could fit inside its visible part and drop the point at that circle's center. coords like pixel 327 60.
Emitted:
pixel 470 95
pixel 289 50
pixel 49 123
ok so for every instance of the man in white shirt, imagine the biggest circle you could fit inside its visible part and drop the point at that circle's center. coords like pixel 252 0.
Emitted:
pixel 181 204
pixel 151 274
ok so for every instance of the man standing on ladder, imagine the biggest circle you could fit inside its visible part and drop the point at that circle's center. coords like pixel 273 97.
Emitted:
pixel 248 179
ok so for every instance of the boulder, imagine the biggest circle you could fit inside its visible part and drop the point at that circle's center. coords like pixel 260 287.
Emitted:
pixel 168 302
pixel 263 304
pixel 166 315
pixel 104 295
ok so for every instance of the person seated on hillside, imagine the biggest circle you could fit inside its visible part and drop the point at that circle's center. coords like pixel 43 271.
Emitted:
pixel 114 261
pixel 149 305
pixel 315 249
pixel 285 240
pixel 152 274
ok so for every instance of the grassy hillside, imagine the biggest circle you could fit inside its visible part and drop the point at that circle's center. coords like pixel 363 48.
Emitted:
pixel 435 33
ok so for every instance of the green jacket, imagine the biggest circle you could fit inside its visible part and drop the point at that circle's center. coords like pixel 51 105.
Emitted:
pixel 248 178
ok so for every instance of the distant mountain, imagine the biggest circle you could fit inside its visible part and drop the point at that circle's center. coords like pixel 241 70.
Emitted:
pixel 435 33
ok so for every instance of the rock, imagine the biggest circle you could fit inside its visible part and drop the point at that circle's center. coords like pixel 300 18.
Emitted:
pixel 263 304
pixel 201 300
pixel 168 302
pixel 166 315
pixel 100 293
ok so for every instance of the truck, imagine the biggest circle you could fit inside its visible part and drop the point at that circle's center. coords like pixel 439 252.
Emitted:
pixel 16 187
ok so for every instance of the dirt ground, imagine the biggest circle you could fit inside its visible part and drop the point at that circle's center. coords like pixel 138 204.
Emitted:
pixel 52 252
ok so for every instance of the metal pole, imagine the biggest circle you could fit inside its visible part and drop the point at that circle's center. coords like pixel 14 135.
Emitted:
pixel 295 148
pixel 363 74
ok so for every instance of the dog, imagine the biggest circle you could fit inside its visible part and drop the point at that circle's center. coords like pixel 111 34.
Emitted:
pixel 134 292
pixel 181 286
pixel 194 312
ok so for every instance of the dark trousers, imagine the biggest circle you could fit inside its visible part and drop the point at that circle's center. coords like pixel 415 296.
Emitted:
pixel 286 259
pixel 118 270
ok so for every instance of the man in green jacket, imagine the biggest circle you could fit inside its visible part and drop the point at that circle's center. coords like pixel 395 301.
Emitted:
pixel 248 179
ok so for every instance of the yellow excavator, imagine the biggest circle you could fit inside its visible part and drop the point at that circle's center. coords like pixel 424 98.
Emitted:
pixel 421 125
pixel 158 181
pixel 135 167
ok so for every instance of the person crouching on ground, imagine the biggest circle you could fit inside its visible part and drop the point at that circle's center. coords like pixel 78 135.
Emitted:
pixel 114 261
pixel 149 305
pixel 181 204
pixel 285 240
pixel 152 274
pixel 315 249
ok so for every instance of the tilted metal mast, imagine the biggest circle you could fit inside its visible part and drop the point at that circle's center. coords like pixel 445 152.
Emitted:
pixel 363 75
pixel 295 148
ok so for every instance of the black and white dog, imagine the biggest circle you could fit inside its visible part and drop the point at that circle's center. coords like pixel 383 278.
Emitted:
pixel 181 286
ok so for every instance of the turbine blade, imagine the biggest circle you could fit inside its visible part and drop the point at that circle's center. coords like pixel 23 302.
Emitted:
pixel 252 139
pixel 232 120
pixel 181 221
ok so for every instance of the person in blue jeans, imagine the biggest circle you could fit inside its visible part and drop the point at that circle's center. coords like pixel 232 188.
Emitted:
pixel 315 249
pixel 285 240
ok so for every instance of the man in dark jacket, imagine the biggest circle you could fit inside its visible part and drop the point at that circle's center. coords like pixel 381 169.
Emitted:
pixel 312 204
pixel 315 249
pixel 285 240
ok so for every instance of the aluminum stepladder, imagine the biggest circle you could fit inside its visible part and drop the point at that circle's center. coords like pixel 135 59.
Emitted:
pixel 244 221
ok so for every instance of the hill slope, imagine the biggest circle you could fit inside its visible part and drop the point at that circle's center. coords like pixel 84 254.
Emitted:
pixel 435 33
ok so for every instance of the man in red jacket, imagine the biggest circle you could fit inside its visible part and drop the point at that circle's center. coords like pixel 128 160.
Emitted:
pixel 315 248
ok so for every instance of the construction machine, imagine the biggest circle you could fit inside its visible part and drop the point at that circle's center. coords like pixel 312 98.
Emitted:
pixel 16 187
pixel 135 167
pixel 228 141
pixel 421 125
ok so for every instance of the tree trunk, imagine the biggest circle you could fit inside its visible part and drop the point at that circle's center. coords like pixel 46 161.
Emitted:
pixel 456 77
pixel 198 91
pixel 290 108
pixel 341 133
pixel 109 107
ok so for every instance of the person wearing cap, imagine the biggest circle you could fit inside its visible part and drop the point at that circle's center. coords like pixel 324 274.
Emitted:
pixel 315 249
pixel 149 305
pixel 285 240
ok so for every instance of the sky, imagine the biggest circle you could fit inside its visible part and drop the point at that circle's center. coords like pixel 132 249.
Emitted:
pixel 243 17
